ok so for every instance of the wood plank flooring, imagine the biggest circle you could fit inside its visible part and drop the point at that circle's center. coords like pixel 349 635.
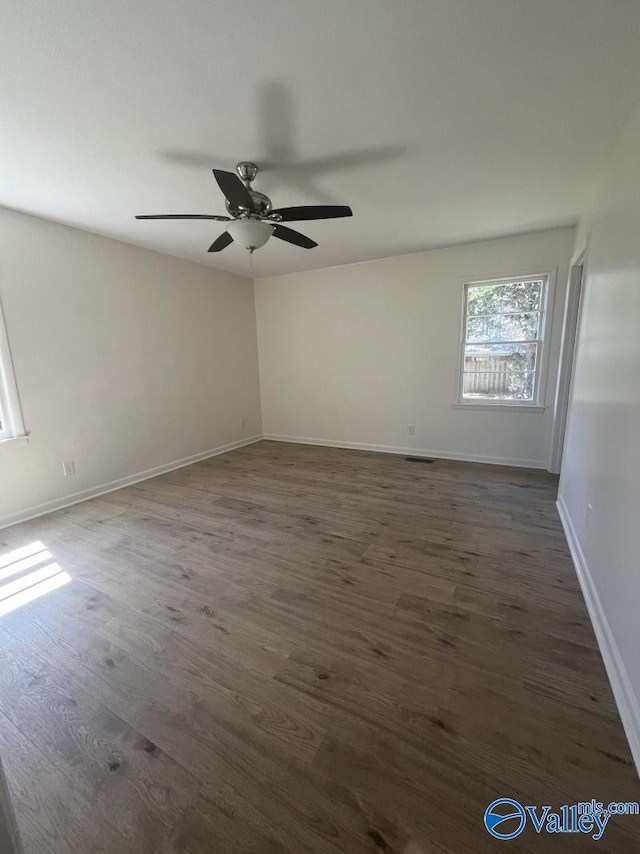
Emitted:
pixel 291 649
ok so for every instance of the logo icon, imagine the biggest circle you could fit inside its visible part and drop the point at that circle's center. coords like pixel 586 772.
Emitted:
pixel 505 813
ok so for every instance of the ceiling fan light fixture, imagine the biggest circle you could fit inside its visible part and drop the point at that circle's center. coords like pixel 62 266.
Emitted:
pixel 250 233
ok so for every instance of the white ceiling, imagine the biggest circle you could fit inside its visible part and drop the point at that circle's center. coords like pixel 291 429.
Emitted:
pixel 438 121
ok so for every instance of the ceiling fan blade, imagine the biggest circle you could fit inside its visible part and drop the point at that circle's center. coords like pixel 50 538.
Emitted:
pixel 221 242
pixel 307 212
pixel 234 190
pixel 184 216
pixel 292 236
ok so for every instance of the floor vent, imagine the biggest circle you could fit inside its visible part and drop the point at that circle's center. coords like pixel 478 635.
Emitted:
pixel 417 460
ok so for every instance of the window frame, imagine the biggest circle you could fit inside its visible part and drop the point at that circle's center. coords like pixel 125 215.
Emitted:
pixel 12 429
pixel 538 403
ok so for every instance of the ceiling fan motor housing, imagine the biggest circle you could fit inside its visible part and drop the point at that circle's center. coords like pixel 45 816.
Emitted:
pixel 247 171
pixel 262 204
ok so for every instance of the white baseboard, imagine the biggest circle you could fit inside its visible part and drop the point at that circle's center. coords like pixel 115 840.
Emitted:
pixel 411 452
pixel 621 686
pixel 102 489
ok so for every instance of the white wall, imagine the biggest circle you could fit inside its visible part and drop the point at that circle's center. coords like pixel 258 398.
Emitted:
pixel 354 354
pixel 601 464
pixel 125 359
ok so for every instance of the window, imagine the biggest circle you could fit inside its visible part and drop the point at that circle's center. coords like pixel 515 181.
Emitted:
pixel 502 337
pixel 11 426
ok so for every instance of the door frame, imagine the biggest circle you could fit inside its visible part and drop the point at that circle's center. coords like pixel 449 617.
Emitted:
pixel 568 349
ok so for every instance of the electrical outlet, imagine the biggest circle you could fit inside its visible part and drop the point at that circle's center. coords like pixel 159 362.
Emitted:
pixel 587 515
pixel 411 429
pixel 69 468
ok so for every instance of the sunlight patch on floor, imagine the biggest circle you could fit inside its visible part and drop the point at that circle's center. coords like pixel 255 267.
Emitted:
pixel 27 574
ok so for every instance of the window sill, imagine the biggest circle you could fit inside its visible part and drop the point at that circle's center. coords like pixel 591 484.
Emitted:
pixel 500 407
pixel 14 440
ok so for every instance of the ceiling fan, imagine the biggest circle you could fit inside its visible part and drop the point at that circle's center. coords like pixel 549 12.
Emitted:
pixel 253 219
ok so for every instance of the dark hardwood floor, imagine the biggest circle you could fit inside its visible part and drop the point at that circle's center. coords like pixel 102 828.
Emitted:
pixel 296 649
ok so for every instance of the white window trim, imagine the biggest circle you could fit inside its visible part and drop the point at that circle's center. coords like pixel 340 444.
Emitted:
pixel 538 404
pixel 14 432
